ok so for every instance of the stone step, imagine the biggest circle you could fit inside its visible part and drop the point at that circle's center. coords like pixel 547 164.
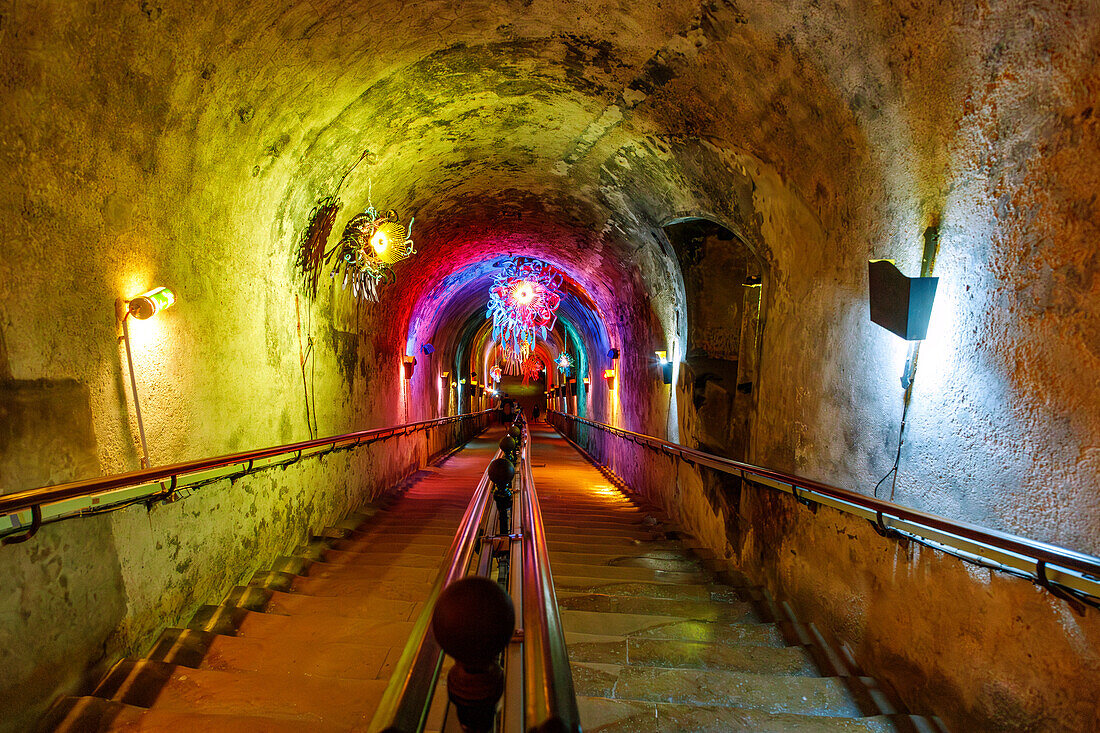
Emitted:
pixel 287 604
pixel 392 588
pixel 282 655
pixel 631 716
pixel 696 610
pixel 615 572
pixel 233 621
pixel 292 698
pixel 824 696
pixel 96 715
pixel 648 589
pixel 663 627
pixel 665 653
pixel 629 561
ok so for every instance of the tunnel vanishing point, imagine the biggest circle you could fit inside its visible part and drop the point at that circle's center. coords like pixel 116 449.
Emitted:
pixel 709 180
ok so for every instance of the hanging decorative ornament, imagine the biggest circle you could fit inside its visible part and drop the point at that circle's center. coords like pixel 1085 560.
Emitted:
pixel 523 303
pixel 371 244
pixel 565 363
pixel 532 367
pixel 495 372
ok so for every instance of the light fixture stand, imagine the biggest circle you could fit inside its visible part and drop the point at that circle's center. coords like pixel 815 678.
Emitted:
pixel 133 387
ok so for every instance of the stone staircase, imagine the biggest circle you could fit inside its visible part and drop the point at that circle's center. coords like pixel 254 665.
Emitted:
pixel 660 642
pixel 307 645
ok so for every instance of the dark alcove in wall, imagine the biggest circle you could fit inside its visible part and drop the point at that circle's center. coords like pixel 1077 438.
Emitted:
pixel 718 384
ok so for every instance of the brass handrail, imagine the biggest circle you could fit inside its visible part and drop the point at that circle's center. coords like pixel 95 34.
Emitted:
pixel 406 702
pixel 1035 556
pixel 34 499
pixel 550 699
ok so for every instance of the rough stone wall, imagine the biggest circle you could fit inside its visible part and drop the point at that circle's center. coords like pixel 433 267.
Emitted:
pixel 184 143
pixel 982 650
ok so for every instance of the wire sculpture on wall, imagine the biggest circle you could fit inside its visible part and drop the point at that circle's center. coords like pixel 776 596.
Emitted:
pixel 523 303
pixel 311 249
pixel 371 244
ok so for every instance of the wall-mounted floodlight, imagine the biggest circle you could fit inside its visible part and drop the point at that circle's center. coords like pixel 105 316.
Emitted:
pixel 900 304
pixel 144 306
pixel 666 366
pixel 149 304
pixel 609 377
pixel 409 363
pixel 428 349
pixel 613 354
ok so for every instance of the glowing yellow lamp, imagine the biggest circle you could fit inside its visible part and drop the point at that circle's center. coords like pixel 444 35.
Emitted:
pixel 662 356
pixel 609 375
pixel 149 304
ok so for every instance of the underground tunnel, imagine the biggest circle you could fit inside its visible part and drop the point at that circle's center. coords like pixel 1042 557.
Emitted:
pixel 839 524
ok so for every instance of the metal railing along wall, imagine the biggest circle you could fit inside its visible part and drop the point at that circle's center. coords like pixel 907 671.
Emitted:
pixel 1071 575
pixel 550 699
pixel 22 513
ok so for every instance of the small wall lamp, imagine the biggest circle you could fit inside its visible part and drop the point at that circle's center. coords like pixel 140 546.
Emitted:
pixel 144 306
pixel 409 363
pixel 666 366
pixel 428 349
pixel 149 304
pixel 609 376
pixel 902 305
pixel 612 354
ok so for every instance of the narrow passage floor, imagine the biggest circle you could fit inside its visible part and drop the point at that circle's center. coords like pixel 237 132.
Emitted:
pixel 655 642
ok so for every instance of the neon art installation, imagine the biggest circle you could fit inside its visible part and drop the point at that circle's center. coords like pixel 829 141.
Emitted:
pixel 495 372
pixel 532 367
pixel 565 364
pixel 523 302
pixel 371 244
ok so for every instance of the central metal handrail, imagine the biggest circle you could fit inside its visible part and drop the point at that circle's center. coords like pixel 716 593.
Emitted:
pixel 162 481
pixel 550 699
pixel 1011 552
pixel 406 702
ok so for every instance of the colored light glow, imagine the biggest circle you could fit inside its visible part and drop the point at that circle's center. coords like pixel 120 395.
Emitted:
pixel 662 356
pixel 150 303
pixel 523 293
pixel 495 372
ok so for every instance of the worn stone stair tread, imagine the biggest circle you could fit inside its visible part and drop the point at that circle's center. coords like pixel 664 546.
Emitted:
pixel 617 572
pixel 735 611
pixel 649 589
pixel 825 696
pixel 279 655
pixel 95 715
pixel 665 627
pixel 358 606
pixel 629 561
pixel 375 558
pixel 669 653
pixel 393 589
pixel 167 687
pixel 605 715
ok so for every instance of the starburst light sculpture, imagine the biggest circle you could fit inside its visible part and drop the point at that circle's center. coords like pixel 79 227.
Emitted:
pixel 523 303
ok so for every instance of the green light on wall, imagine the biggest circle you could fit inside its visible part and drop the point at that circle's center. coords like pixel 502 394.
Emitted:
pixel 149 304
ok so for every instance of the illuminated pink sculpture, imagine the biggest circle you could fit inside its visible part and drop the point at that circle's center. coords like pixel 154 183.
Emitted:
pixel 532 367
pixel 523 302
